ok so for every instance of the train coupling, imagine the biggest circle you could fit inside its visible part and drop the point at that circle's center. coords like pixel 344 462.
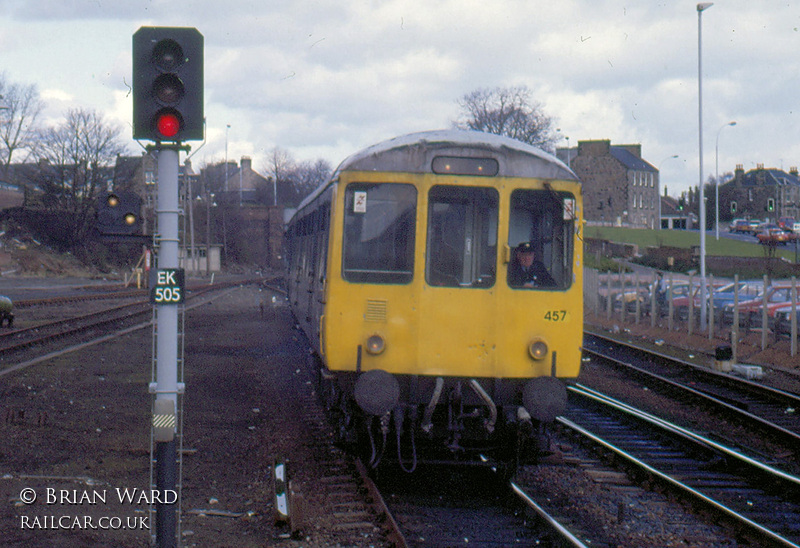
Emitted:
pixel 490 422
pixel 524 421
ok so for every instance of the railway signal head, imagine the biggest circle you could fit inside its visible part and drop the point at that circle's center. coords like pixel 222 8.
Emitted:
pixel 119 214
pixel 168 84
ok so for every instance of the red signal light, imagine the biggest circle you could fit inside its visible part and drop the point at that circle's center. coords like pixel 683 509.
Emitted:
pixel 168 124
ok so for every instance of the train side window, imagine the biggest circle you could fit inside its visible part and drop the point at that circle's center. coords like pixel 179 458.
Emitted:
pixel 379 229
pixel 462 236
pixel 545 219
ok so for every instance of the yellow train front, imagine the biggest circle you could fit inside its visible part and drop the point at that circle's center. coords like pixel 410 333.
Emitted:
pixel 438 278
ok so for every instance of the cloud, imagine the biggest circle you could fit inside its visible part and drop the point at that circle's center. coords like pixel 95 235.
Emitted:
pixel 326 77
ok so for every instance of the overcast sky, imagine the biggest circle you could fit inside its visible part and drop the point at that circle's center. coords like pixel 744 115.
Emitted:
pixel 325 78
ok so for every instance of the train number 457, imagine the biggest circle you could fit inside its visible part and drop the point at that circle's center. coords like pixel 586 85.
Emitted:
pixel 555 315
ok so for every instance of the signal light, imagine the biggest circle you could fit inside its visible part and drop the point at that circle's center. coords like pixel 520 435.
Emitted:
pixel 119 214
pixel 168 84
pixel 168 124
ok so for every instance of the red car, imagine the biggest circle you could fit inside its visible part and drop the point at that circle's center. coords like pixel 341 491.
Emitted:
pixel 772 236
pixel 777 297
pixel 786 223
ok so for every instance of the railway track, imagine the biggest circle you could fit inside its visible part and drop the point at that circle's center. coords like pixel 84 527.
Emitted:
pixel 772 412
pixel 27 345
pixel 444 506
pixel 759 502
pixel 41 334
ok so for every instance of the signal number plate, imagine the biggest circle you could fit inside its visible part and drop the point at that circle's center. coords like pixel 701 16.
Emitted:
pixel 168 287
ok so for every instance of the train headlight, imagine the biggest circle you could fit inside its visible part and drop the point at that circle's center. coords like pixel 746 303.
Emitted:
pixel 375 345
pixel 538 349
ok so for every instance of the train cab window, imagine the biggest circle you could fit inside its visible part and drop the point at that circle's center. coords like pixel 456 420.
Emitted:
pixel 462 236
pixel 379 228
pixel 540 234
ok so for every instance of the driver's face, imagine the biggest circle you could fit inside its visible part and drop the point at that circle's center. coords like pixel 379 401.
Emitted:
pixel 526 258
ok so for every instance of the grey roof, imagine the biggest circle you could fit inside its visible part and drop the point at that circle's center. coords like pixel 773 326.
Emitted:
pixel 630 160
pixel 414 153
pixel 773 177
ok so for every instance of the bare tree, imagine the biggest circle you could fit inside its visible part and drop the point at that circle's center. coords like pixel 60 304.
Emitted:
pixel 76 160
pixel 279 164
pixel 507 111
pixel 19 111
pixel 293 180
pixel 310 175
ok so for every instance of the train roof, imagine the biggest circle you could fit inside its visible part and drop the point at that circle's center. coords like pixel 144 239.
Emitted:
pixel 414 153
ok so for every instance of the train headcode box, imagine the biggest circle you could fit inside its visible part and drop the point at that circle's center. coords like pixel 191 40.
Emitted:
pixel 167 286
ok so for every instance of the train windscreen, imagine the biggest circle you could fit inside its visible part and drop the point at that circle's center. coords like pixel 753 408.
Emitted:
pixel 379 229
pixel 541 229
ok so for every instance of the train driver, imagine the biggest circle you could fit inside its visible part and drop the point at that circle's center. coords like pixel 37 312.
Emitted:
pixel 526 271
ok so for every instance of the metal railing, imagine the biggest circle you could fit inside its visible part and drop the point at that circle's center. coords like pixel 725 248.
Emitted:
pixel 672 301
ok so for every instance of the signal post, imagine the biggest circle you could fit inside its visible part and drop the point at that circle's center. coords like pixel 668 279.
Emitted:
pixel 168 110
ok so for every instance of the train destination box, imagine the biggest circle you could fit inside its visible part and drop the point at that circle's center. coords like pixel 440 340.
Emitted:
pixel 167 286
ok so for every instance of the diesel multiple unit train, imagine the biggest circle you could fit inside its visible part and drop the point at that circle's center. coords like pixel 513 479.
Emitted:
pixel 438 279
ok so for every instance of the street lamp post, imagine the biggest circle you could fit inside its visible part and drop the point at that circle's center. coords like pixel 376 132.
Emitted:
pixel 703 305
pixel 716 176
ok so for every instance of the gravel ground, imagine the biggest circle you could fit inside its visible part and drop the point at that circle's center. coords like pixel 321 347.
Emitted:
pixel 76 429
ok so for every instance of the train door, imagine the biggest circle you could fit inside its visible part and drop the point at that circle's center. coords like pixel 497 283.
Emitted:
pixel 462 237
pixel 461 254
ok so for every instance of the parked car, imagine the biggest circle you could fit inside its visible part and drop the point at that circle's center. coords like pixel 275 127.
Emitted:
pixel 682 302
pixel 750 311
pixel 739 226
pixel 747 290
pixel 782 318
pixel 772 236
pixel 753 224
pixel 786 223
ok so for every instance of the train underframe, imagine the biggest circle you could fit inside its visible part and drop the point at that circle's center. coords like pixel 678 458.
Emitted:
pixel 414 419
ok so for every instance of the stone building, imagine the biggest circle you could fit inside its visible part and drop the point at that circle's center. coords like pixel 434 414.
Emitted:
pixel 619 187
pixel 761 193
